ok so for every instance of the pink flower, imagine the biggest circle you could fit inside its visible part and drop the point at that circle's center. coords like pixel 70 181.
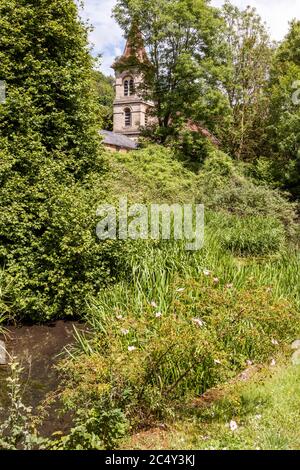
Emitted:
pixel 233 425
pixel 198 322
pixel 216 280
pixel 206 272
pixel 249 363
pixel 153 304
pixel 158 314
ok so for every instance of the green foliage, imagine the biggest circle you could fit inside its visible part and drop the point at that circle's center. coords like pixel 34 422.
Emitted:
pixel 284 120
pixel 150 174
pixel 264 407
pixel 251 236
pixel 104 88
pixel 96 428
pixel 191 147
pixel 173 328
pixel 146 355
pixel 185 50
pixel 50 161
pixel 59 260
pixel 223 187
pixel 249 53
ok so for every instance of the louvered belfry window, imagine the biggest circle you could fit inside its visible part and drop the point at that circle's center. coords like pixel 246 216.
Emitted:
pixel 126 88
pixel 127 114
pixel 131 86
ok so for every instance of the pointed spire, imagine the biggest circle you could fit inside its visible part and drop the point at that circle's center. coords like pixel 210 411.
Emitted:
pixel 134 51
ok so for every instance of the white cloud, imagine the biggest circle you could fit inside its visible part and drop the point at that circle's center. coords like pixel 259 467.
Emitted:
pixel 107 36
pixel 276 13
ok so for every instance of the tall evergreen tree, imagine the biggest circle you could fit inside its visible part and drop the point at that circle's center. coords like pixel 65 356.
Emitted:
pixel 49 150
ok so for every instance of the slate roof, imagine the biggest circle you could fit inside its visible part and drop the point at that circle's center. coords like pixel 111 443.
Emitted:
pixel 118 140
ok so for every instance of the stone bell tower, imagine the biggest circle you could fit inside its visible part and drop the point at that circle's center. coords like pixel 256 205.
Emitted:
pixel 130 109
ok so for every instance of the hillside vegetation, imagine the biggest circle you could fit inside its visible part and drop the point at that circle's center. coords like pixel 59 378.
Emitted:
pixel 177 323
pixel 161 325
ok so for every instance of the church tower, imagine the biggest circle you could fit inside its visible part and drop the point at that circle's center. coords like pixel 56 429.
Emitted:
pixel 130 109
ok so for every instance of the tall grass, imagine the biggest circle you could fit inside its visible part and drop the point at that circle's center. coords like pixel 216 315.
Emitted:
pixel 155 266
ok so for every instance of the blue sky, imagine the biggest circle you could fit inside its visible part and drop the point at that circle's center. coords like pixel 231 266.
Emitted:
pixel 108 41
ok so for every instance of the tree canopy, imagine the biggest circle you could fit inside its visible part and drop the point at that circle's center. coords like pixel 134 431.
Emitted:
pixel 49 147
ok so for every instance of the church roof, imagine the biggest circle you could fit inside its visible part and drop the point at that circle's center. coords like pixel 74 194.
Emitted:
pixel 118 140
pixel 134 49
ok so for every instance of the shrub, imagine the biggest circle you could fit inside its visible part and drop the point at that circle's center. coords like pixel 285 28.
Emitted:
pixel 54 260
pixel 223 187
pixel 149 174
pixel 51 159
pixel 95 429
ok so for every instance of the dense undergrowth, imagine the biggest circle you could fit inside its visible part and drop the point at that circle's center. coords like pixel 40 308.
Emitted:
pixel 164 324
pixel 177 322
pixel 174 323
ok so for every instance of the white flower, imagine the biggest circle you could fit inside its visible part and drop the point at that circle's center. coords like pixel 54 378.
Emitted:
pixel 206 272
pixel 273 363
pixel 216 280
pixel 198 322
pixel 131 348
pixel 153 304
pixel 119 317
pixel 124 331
pixel 258 417
pixel 229 286
pixel 249 363
pixel 233 425
pixel 274 341
pixel 158 314
pixel 216 361
pixel 181 289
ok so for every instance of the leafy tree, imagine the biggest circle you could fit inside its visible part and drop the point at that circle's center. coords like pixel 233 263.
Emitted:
pixel 185 51
pixel 50 154
pixel 249 53
pixel 284 118
pixel 104 88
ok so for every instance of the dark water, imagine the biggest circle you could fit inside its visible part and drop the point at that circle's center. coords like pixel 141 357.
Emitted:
pixel 38 348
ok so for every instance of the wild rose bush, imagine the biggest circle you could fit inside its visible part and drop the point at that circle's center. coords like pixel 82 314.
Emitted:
pixel 144 363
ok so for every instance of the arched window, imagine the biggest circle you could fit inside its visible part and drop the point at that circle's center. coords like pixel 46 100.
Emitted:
pixel 127 117
pixel 131 86
pixel 126 88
